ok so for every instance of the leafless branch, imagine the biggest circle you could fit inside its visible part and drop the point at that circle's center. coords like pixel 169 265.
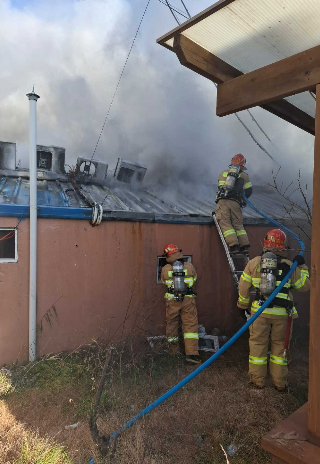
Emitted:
pixel 304 208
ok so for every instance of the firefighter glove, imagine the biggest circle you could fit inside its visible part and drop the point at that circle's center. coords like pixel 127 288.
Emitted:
pixel 300 260
pixel 243 314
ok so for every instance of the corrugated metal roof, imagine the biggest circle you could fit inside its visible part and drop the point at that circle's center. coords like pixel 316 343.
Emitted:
pixel 121 201
pixel 250 34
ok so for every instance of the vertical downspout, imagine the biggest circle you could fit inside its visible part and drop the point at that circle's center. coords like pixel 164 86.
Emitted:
pixel 33 223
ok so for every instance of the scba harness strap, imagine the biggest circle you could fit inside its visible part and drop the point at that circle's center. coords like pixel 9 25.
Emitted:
pixel 178 296
pixel 283 269
pixel 236 193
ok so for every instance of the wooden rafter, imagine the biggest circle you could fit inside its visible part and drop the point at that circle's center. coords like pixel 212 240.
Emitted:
pixel 283 78
pixel 196 58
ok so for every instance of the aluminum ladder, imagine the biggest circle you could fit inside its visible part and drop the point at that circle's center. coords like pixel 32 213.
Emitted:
pixel 236 273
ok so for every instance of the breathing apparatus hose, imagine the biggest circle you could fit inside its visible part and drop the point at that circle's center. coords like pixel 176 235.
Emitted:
pixel 225 347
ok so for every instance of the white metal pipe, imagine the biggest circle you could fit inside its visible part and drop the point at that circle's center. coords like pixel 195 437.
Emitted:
pixel 33 223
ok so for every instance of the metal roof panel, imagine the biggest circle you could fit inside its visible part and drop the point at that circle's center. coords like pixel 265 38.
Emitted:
pixel 123 200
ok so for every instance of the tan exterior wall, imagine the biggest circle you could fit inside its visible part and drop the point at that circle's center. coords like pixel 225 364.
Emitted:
pixel 104 276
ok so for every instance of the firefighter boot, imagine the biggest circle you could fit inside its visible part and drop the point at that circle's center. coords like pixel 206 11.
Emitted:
pixel 234 249
pixel 193 359
pixel 244 249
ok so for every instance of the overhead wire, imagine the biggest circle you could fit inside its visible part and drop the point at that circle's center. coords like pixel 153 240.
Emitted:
pixel 254 120
pixel 120 77
pixel 172 12
pixel 8 235
pixel 255 140
pixel 186 9
pixel 12 232
pixel 181 13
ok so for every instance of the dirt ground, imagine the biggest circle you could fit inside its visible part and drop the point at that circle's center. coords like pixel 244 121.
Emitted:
pixel 217 408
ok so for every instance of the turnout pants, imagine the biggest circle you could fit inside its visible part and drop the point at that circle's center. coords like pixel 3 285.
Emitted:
pixel 263 331
pixel 230 219
pixel 185 311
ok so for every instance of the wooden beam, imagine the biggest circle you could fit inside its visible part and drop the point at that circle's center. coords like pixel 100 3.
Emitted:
pixel 196 58
pixel 292 114
pixel 314 353
pixel 287 442
pixel 290 76
pixel 199 60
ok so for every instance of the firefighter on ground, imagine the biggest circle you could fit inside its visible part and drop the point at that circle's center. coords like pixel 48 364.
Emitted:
pixel 232 183
pixel 179 277
pixel 274 325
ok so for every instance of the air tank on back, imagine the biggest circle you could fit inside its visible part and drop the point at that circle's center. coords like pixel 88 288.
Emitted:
pixel 178 277
pixel 232 177
pixel 269 268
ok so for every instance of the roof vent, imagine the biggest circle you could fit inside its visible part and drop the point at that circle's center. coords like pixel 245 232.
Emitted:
pixel 51 159
pixel 129 172
pixel 91 171
pixel 8 155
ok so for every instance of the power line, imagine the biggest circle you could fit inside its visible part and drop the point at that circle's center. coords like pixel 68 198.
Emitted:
pixel 264 133
pixel 186 9
pixel 181 13
pixel 254 139
pixel 172 12
pixel 120 77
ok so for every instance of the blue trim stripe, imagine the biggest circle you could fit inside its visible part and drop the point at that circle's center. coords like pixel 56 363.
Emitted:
pixel 50 212
pixel 69 212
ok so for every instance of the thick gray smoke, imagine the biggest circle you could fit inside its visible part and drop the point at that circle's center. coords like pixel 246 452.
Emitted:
pixel 163 115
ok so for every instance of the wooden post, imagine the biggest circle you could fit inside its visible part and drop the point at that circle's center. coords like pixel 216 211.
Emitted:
pixel 314 354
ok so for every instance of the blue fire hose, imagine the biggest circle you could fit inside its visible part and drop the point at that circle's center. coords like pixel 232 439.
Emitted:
pixel 226 346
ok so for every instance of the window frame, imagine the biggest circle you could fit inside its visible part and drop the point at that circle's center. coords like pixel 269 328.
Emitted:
pixel 186 258
pixel 11 260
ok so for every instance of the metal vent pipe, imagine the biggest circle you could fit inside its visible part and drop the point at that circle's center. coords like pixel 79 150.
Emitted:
pixel 33 223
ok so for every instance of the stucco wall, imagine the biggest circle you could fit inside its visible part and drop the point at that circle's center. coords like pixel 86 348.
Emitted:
pixel 106 275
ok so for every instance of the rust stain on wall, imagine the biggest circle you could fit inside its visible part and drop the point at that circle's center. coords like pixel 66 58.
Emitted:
pixel 106 275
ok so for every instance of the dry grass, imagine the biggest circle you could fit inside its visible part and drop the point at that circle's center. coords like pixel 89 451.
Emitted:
pixel 217 408
pixel 18 445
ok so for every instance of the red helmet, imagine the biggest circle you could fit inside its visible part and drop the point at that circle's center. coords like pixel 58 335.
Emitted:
pixel 240 160
pixel 275 238
pixel 170 249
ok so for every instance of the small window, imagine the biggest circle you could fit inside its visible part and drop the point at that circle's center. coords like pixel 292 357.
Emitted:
pixel 8 246
pixel 161 261
pixel 125 175
pixel 44 160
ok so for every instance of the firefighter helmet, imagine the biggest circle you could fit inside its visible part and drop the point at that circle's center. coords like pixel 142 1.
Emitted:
pixel 275 238
pixel 172 253
pixel 240 160
pixel 170 249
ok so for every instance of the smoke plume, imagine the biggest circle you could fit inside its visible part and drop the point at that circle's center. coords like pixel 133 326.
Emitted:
pixel 163 115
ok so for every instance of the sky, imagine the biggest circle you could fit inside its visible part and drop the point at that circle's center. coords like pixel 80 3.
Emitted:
pixel 163 115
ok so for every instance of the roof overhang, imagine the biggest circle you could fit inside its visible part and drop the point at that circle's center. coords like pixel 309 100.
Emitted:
pixel 242 44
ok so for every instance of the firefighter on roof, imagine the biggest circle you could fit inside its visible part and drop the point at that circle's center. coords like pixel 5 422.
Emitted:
pixel 274 325
pixel 179 277
pixel 231 184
